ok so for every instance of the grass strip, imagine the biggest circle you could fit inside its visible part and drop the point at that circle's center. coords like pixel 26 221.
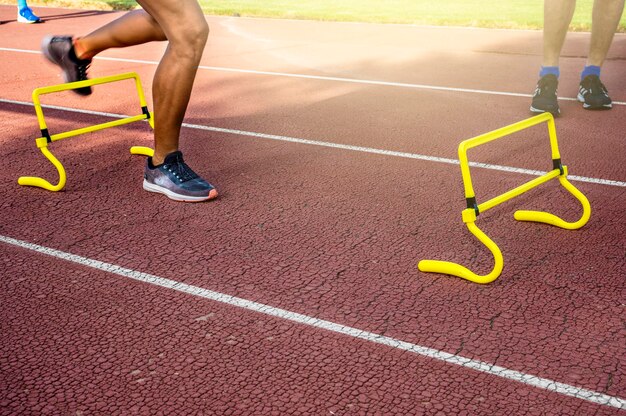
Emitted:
pixel 507 14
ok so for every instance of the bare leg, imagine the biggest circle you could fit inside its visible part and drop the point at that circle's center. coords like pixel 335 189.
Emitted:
pixel 180 22
pixel 133 28
pixel 186 30
pixel 183 25
pixel 556 19
pixel 606 16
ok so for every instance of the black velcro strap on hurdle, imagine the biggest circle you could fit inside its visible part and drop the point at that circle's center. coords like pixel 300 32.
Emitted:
pixel 46 134
pixel 471 203
pixel 144 110
pixel 556 164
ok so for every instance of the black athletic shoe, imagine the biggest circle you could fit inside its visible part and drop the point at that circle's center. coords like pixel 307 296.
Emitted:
pixel 176 180
pixel 60 51
pixel 545 99
pixel 593 94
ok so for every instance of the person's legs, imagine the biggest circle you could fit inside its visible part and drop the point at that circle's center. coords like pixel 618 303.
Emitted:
pixel 184 26
pixel 592 92
pixel 74 55
pixel 182 23
pixel 133 28
pixel 557 15
pixel 25 14
pixel 606 16
pixel 556 19
pixel 186 29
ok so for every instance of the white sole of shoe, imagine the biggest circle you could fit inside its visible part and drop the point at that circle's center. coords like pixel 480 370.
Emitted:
pixel 150 187
pixel 21 19
pixel 585 105
pixel 536 110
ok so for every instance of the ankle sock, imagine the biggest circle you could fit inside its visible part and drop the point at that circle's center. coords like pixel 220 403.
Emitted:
pixel 545 70
pixel 590 70
pixel 21 4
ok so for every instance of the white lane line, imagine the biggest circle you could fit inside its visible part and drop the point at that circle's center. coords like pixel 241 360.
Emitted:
pixel 362 149
pixel 494 370
pixel 323 78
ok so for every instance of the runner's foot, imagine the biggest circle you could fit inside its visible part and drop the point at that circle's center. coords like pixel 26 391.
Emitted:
pixel 176 180
pixel 26 15
pixel 60 51
pixel 545 98
pixel 593 94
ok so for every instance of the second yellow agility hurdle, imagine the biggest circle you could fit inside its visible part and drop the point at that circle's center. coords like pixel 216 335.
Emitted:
pixel 47 138
pixel 473 209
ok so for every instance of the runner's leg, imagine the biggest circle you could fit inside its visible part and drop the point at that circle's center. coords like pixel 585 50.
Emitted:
pixel 557 15
pixel 606 16
pixel 133 28
pixel 186 29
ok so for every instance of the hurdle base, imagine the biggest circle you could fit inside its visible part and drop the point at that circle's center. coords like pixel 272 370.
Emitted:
pixel 142 151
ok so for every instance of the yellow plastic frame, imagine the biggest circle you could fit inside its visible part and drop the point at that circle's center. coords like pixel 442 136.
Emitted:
pixel 42 142
pixel 470 214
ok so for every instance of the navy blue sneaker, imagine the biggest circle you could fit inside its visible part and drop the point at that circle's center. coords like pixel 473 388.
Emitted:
pixel 545 97
pixel 593 94
pixel 60 51
pixel 174 179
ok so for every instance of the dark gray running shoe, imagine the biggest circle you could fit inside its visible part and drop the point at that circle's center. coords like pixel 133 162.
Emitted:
pixel 545 98
pixel 60 51
pixel 176 180
pixel 593 94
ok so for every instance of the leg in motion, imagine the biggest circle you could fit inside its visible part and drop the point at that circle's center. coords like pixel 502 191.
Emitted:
pixel 74 55
pixel 186 29
pixel 183 25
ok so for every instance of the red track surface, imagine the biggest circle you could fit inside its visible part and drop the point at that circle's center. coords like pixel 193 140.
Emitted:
pixel 328 233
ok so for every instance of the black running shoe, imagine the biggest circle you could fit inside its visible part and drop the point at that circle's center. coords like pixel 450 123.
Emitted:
pixel 60 51
pixel 176 180
pixel 545 99
pixel 593 94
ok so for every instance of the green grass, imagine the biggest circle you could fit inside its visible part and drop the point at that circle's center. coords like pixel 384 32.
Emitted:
pixel 525 14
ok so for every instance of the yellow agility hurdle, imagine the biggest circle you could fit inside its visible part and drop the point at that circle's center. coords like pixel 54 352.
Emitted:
pixel 47 138
pixel 473 209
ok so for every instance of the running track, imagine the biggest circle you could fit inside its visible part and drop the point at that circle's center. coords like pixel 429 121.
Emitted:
pixel 297 292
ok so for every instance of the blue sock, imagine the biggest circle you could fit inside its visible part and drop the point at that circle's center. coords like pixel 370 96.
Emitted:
pixel 21 4
pixel 590 70
pixel 545 70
